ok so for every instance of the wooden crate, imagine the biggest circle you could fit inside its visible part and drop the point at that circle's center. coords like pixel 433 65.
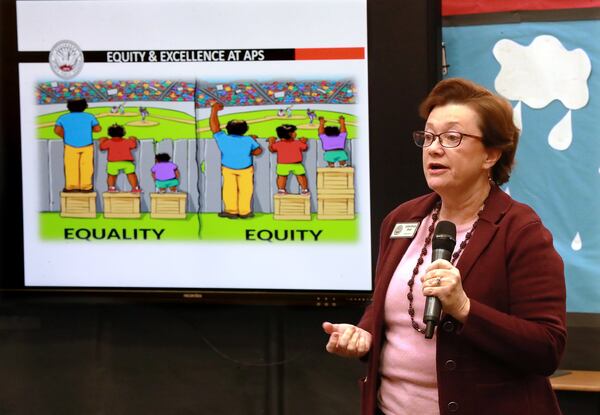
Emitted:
pixel 168 205
pixel 335 193
pixel 78 204
pixel 338 204
pixel 121 205
pixel 291 207
pixel 335 178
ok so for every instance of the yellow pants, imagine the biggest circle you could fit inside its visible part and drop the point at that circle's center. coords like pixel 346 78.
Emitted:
pixel 79 167
pixel 238 186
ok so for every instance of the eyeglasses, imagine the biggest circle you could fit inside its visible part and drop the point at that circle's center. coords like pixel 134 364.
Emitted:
pixel 449 139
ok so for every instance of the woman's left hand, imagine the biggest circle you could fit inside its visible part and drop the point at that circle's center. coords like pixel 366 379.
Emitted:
pixel 442 280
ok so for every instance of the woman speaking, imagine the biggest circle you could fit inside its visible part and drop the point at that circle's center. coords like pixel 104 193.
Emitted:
pixel 502 292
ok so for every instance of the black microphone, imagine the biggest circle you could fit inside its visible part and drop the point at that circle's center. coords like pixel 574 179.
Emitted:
pixel 444 241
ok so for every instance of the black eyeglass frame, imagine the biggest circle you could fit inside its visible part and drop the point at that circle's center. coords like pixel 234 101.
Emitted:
pixel 440 138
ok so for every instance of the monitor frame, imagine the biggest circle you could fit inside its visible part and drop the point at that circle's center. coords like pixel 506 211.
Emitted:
pixel 395 165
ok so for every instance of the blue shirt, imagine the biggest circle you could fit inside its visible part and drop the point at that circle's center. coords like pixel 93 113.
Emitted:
pixel 77 127
pixel 235 150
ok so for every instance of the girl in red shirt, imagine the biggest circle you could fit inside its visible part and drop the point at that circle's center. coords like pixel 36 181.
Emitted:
pixel 289 157
pixel 119 157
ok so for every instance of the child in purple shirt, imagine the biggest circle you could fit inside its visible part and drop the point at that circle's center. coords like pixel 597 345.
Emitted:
pixel 165 173
pixel 333 140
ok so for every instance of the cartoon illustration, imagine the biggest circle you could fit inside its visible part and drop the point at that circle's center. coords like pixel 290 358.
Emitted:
pixel 204 184
pixel 165 173
pixel 288 111
pixel 311 115
pixel 236 164
pixel 289 157
pixel 76 128
pixel 119 157
pixel 333 140
pixel 144 112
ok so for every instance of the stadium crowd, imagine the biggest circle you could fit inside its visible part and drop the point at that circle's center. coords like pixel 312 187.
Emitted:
pixel 111 91
pixel 204 95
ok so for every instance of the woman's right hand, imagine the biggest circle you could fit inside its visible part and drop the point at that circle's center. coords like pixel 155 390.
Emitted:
pixel 347 340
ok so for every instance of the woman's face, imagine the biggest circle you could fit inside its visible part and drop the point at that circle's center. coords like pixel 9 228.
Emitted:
pixel 454 171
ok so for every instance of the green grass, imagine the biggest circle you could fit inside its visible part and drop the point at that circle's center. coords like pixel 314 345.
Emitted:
pixel 215 228
pixel 52 226
pixel 266 129
pixel 176 130
pixel 205 227
pixel 166 128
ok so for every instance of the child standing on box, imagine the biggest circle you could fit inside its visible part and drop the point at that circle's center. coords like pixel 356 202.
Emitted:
pixel 165 173
pixel 119 157
pixel 76 129
pixel 333 140
pixel 289 157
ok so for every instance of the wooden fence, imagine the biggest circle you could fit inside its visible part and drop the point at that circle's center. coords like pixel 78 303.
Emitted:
pixel 199 162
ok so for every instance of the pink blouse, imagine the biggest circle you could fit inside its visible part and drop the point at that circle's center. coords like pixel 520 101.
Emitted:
pixel 408 360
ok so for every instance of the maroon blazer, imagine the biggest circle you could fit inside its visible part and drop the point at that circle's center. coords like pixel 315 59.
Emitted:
pixel 498 361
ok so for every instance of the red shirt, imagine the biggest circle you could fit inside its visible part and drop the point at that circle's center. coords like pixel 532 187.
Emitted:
pixel 119 149
pixel 289 151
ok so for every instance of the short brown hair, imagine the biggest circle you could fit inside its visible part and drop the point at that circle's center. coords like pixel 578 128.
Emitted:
pixel 495 118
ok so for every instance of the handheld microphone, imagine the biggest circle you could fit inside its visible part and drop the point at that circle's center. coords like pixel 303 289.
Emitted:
pixel 443 243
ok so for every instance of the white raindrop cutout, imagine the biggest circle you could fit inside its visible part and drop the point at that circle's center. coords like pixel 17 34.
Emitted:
pixel 576 244
pixel 561 135
pixel 517 116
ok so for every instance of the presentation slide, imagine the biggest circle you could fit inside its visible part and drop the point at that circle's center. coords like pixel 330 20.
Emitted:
pixel 217 144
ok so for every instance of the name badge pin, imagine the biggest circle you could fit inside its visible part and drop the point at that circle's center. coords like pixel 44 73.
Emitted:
pixel 405 230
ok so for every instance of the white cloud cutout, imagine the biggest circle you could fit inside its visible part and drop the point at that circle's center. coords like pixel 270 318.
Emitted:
pixel 542 72
pixel 576 243
pixel 561 135
pixel 518 116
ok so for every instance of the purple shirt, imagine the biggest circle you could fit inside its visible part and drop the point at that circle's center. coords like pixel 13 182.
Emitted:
pixel 336 142
pixel 164 171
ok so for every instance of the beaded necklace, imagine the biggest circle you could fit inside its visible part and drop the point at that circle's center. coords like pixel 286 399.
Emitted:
pixel 455 255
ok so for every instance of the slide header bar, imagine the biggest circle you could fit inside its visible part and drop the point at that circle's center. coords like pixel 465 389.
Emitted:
pixel 208 55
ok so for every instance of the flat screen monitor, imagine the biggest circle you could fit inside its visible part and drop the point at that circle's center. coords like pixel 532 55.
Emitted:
pixel 221 151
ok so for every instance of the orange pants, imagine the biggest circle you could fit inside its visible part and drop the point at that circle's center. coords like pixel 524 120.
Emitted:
pixel 238 186
pixel 79 167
